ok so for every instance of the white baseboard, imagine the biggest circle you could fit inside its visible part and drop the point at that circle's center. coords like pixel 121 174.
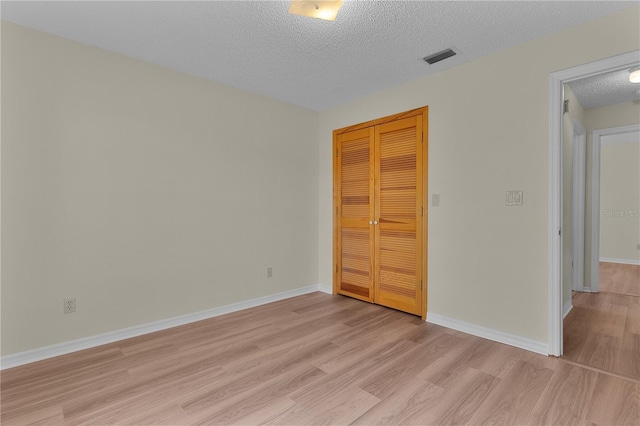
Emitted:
pixel 487 333
pixel 38 354
pixel 566 309
pixel 325 288
pixel 623 261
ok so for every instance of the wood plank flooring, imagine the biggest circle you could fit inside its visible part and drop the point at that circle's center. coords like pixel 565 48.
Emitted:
pixel 313 359
pixel 603 329
pixel 619 278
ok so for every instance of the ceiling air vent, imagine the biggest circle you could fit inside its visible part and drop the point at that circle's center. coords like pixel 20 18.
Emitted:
pixel 440 56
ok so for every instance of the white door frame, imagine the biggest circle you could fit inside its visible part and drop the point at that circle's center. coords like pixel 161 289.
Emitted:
pixel 595 198
pixel 556 100
pixel 578 189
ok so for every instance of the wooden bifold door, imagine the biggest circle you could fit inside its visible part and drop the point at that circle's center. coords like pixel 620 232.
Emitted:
pixel 380 184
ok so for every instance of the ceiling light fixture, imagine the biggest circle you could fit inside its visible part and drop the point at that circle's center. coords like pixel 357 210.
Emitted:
pixel 321 9
pixel 634 75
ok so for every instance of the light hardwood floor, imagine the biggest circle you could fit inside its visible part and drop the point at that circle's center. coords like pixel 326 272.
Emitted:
pixel 603 329
pixel 619 278
pixel 313 359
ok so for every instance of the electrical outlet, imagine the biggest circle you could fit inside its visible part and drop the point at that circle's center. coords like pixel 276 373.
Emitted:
pixel 269 271
pixel 69 305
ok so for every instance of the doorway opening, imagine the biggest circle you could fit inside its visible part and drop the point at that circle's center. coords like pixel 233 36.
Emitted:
pixel 602 328
pixel 621 142
pixel 556 103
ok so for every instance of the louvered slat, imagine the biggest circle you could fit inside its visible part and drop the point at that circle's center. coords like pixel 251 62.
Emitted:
pixel 355 178
pixel 355 261
pixel 398 263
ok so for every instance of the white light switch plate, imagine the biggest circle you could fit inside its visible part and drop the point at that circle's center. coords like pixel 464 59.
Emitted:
pixel 514 198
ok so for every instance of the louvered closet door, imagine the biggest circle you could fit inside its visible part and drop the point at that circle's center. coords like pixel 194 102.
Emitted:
pixel 399 188
pixel 354 200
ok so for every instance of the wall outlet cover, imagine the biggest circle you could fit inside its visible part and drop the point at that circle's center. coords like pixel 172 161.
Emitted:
pixel 69 305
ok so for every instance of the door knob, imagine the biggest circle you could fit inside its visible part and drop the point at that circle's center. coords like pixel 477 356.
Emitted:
pixel 370 222
pixel 375 222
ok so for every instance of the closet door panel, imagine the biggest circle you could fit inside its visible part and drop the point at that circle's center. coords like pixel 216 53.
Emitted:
pixel 354 195
pixel 398 187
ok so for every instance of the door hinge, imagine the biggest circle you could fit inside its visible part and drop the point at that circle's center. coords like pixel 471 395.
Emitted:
pixel 560 232
pixel 420 285
pixel 421 211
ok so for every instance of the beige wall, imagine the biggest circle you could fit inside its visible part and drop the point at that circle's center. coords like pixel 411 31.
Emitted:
pixel 618 115
pixel 143 192
pixel 620 197
pixel 148 194
pixel 488 133
pixel 575 112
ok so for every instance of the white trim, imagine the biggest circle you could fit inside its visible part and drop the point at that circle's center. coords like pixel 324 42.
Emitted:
pixel 325 288
pixel 578 128
pixel 622 261
pixel 566 309
pixel 595 212
pixel 488 333
pixel 615 141
pixel 21 358
pixel 595 197
pixel 556 99
pixel 578 190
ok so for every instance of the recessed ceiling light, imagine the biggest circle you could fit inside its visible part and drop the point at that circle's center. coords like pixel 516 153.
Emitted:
pixel 634 75
pixel 321 9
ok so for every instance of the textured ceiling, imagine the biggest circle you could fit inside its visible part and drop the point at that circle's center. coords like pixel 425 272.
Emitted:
pixel 257 46
pixel 605 89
